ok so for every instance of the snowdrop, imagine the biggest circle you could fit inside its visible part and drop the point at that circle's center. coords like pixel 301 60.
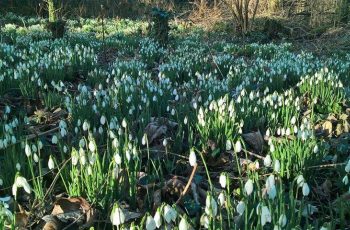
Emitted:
pixel 221 199
pixel 282 221
pixel 150 223
pixel 240 207
pixel 248 187
pixel 117 215
pixel 20 182
pixel 51 163
pixel 169 214
pixel 158 219
pixel 267 161
pixel 265 215
pixel 193 158
pixel 54 140
pixel 183 225
pixel 223 180
pixel 347 167
pixel 306 189
pixel 277 166
pixel 211 207
pixel 238 147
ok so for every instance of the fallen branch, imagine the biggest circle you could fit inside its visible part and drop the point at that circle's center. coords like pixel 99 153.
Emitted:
pixel 184 192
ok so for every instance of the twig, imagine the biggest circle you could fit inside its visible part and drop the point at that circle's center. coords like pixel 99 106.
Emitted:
pixel 188 184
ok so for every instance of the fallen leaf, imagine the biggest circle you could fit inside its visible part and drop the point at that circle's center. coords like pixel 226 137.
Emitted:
pixel 21 218
pixel 52 223
pixel 75 209
pixel 327 128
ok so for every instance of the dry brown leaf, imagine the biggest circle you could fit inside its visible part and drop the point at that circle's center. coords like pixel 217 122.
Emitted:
pixel 327 128
pixel 52 223
pixel 75 209
pixel 339 130
pixel 158 127
pixel 22 218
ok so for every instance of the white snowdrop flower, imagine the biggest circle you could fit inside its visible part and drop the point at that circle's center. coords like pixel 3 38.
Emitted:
pixel 144 139
pixel 272 148
pixel 205 221
pixel 117 159
pixel 103 120
pixel 228 145
pixel 65 149
pixel 283 132
pixel 193 158
pixel 316 149
pixel 35 158
pixel 86 126
pixel 272 192
pixel 282 221
pixel 128 155
pixel 20 182
pixel 54 140
pixel 1 182
pixel 34 148
pixel 306 189
pixel 82 156
pixel 346 180
pixel 117 215
pixel 18 166
pixel 222 180
pixel 347 167
pixel 268 132
pixel 75 157
pixel 300 181
pixel 51 163
pixel 150 223
pixel 124 124
pixel 238 147
pixel 240 208
pixel 183 225
pixel 185 120
pixel 249 187
pixel 28 150
pixel 277 166
pixel 211 207
pixel 165 142
pixel 279 131
pixel 295 129
pixel 293 120
pixel 265 215
pixel 173 112
pixel 303 135
pixel 13 140
pixel 158 219
pixel 92 146
pixel 168 213
pixel 288 132
pixel 267 161
pixel 221 199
